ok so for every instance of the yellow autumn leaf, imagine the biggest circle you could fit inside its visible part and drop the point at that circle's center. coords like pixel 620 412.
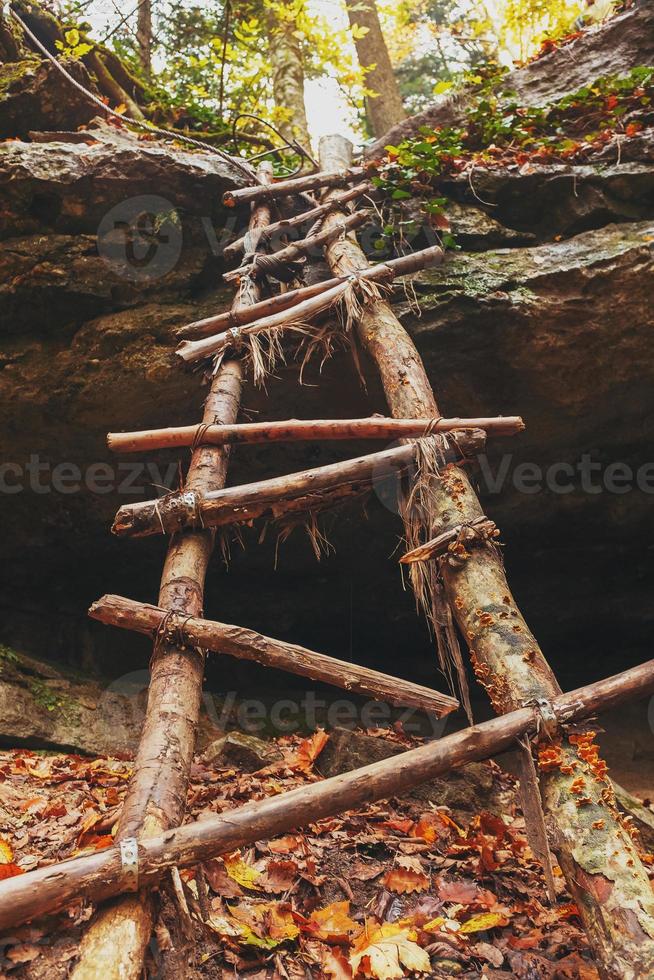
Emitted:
pixel 72 37
pixel 387 952
pixel 333 923
pixel 485 920
pixel 6 851
pixel 239 871
pixel 434 924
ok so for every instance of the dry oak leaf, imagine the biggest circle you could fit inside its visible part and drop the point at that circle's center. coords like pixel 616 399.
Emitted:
pixel 278 876
pixel 333 923
pixel 387 952
pixel 308 751
pixel 407 876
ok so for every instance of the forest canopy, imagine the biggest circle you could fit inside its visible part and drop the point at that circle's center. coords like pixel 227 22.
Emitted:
pixel 360 63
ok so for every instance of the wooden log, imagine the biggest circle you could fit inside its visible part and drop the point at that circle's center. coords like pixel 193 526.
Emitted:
pixel 100 875
pixel 294 185
pixel 297 430
pixel 599 860
pixel 296 318
pixel 280 228
pixel 238 505
pixel 114 946
pixel 277 264
pixel 245 644
pixel 402 266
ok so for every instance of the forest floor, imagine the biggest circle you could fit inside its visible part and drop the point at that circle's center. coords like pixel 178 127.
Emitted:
pixel 395 889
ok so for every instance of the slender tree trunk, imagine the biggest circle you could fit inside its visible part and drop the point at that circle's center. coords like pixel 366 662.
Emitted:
pixel 385 108
pixel 287 65
pixel 144 35
pixel 599 859
pixel 114 946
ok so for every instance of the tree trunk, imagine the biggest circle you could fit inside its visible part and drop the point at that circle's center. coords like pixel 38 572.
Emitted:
pixel 114 945
pixel 287 63
pixel 598 857
pixel 100 875
pixel 384 109
pixel 144 35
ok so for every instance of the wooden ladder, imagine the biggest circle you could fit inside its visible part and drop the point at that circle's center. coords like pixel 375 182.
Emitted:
pixel 456 569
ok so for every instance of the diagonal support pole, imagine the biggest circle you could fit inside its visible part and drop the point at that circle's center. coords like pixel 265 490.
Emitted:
pixel 599 859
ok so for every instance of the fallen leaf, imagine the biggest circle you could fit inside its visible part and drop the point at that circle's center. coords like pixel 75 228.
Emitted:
pixel 10 870
pixel 278 877
pixel 486 920
pixel 407 876
pixel 6 851
pixel 220 882
pixel 244 874
pixel 387 951
pixel 333 923
pixel 334 964
pixel 308 751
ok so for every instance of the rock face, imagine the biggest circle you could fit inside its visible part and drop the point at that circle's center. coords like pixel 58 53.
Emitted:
pixel 625 40
pixel 467 791
pixel 545 312
pixel 34 95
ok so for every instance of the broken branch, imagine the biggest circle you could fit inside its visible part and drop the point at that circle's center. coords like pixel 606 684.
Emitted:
pixel 278 262
pixel 238 505
pixel 281 227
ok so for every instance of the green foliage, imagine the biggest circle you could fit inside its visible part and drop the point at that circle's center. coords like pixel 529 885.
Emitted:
pixel 8 656
pixel 496 124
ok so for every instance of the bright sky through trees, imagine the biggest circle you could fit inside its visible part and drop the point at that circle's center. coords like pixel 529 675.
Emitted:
pixel 428 40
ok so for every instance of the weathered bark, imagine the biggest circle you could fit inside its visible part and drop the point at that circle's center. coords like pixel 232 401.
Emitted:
pixel 279 262
pixel 294 185
pixel 156 799
pixel 375 427
pixel 275 497
pixel 406 264
pixel 287 65
pixel 144 35
pixel 450 540
pixel 383 109
pixel 100 875
pixel 236 641
pixel 278 229
pixel 599 860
